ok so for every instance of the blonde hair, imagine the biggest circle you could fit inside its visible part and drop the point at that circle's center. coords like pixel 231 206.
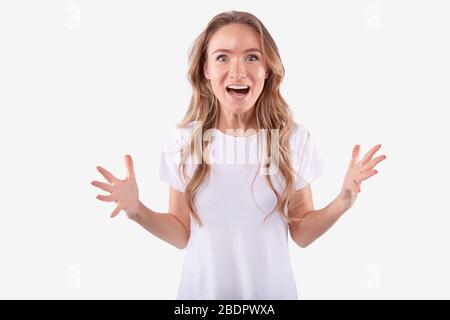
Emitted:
pixel 271 111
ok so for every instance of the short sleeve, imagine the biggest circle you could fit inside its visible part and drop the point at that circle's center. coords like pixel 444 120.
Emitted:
pixel 170 158
pixel 307 161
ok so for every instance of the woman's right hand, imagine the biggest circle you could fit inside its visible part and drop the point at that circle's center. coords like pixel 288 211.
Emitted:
pixel 123 192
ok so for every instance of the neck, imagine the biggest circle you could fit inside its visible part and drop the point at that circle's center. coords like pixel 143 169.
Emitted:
pixel 234 121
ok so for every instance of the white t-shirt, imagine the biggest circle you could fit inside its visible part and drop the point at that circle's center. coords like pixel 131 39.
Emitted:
pixel 235 255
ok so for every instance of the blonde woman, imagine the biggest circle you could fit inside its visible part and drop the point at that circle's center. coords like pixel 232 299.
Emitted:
pixel 239 170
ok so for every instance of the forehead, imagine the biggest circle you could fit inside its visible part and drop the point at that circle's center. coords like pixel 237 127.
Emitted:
pixel 234 37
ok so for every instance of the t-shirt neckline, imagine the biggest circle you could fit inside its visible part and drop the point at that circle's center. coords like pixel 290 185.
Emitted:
pixel 228 136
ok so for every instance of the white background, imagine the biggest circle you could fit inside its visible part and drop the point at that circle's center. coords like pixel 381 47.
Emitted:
pixel 82 83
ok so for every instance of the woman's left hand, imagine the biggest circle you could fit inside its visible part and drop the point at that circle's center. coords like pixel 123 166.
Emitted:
pixel 359 171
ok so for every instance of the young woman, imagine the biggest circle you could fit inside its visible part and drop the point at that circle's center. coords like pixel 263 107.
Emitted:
pixel 233 211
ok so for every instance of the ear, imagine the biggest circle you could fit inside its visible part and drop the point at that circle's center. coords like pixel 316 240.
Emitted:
pixel 205 71
pixel 267 74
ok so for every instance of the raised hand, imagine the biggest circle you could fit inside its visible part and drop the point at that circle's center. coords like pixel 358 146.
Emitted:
pixel 359 171
pixel 123 192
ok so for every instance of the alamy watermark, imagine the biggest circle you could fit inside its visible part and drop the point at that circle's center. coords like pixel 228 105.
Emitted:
pixel 237 147
pixel 73 277
pixel 373 277
pixel 73 20
pixel 373 21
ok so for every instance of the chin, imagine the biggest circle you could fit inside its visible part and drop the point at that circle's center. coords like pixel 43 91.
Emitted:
pixel 238 108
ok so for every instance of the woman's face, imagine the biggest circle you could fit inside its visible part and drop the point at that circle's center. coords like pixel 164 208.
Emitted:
pixel 234 57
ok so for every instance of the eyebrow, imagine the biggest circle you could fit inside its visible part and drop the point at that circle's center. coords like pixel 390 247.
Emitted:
pixel 245 51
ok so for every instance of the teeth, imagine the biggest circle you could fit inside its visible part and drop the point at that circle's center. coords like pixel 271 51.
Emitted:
pixel 237 87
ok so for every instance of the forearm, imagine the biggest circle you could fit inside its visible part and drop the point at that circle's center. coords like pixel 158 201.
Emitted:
pixel 163 225
pixel 317 222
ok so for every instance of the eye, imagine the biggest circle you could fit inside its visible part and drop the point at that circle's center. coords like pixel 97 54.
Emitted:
pixel 253 56
pixel 218 58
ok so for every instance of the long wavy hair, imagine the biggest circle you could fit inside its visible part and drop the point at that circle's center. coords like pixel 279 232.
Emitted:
pixel 271 112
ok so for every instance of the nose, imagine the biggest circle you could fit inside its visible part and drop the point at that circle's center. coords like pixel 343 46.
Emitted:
pixel 237 70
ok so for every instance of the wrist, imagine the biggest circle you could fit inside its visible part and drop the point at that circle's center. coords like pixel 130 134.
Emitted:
pixel 345 199
pixel 136 215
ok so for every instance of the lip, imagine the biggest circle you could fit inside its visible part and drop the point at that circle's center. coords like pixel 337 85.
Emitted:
pixel 237 98
pixel 237 84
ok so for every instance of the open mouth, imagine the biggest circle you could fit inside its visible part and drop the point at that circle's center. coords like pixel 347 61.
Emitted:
pixel 238 91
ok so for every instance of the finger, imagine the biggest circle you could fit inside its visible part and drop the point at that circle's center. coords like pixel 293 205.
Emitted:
pixel 103 186
pixel 372 163
pixel 367 174
pixel 108 175
pixel 109 198
pixel 355 154
pixel 370 154
pixel 116 211
pixel 130 167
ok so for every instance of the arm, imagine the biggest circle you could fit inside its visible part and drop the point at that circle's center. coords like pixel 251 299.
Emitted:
pixel 166 226
pixel 314 223
pixel 172 227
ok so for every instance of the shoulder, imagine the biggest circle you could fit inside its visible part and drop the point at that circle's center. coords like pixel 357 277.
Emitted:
pixel 299 135
pixel 179 137
pixel 298 128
